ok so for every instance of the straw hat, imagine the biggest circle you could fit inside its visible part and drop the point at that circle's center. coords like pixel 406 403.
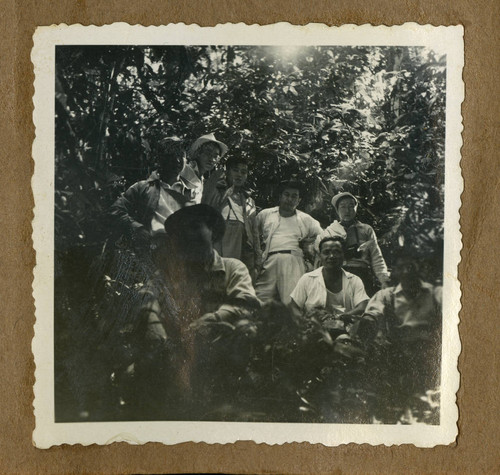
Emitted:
pixel 207 138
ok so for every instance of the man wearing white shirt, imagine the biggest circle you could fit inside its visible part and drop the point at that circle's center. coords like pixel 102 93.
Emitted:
pixel 330 287
pixel 287 233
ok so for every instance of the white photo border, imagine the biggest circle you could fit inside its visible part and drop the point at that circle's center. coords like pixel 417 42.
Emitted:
pixel 448 40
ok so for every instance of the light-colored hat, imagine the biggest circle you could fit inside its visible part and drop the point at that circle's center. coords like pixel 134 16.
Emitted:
pixel 339 196
pixel 207 138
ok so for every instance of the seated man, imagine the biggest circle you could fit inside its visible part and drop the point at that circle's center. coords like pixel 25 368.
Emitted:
pixel 287 234
pixel 408 317
pixel 330 287
pixel 140 213
pixel 193 287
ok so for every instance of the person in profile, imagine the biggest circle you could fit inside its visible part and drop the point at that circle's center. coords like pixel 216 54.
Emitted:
pixel 204 156
pixel 329 287
pixel 363 255
pixel 288 235
pixel 141 211
pixel 228 195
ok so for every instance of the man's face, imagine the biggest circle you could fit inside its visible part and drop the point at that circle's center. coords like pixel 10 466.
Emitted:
pixel 172 163
pixel 207 157
pixel 346 209
pixel 331 255
pixel 406 271
pixel 196 246
pixel 237 175
pixel 289 199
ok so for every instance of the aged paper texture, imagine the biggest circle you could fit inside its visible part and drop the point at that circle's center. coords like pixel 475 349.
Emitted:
pixel 80 393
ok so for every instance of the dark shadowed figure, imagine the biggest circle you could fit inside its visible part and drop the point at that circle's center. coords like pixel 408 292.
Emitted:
pixel 203 289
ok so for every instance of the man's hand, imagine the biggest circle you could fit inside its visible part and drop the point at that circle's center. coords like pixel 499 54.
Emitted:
pixel 204 320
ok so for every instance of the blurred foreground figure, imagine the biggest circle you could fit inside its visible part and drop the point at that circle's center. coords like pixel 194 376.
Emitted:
pixel 228 195
pixel 288 235
pixel 193 288
pixel 363 255
pixel 408 319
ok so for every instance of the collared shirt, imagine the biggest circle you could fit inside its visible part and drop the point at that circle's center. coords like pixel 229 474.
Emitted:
pixel 269 219
pixel 311 292
pixel 394 310
pixel 170 201
pixel 190 174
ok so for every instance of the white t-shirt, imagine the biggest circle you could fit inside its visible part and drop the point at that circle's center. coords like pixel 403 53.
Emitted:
pixel 287 235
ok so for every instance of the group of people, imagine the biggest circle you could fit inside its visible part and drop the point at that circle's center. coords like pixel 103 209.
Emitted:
pixel 222 258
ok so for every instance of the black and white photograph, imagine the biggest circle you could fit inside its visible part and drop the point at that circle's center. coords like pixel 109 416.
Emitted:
pixel 247 225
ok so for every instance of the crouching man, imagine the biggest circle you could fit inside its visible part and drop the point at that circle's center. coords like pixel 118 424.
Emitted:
pixel 193 288
pixel 407 319
pixel 329 287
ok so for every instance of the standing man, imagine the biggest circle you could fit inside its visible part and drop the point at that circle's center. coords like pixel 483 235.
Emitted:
pixel 288 235
pixel 204 155
pixel 141 211
pixel 229 196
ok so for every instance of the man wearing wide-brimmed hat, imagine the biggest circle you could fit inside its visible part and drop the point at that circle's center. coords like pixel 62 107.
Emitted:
pixel 204 155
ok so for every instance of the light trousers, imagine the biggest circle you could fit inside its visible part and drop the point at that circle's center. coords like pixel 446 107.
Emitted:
pixel 279 276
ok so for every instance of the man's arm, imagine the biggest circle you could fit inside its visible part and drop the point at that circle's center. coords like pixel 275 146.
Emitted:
pixel 240 293
pixel 124 210
pixel 374 316
pixel 298 297
pixel 257 250
pixel 314 230
pixel 377 263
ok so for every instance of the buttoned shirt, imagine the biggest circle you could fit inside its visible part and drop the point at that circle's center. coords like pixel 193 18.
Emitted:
pixel 268 221
pixel 311 293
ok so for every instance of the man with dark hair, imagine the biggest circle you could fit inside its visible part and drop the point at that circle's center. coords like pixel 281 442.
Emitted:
pixel 228 195
pixel 204 155
pixel 141 211
pixel 330 287
pixel 288 235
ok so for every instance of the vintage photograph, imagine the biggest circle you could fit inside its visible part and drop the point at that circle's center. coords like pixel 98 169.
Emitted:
pixel 251 232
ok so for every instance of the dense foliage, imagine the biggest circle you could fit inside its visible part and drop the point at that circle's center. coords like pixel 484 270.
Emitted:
pixel 369 120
